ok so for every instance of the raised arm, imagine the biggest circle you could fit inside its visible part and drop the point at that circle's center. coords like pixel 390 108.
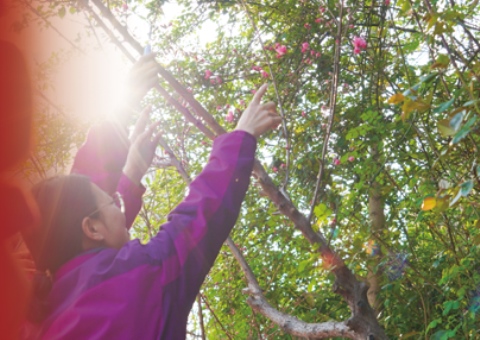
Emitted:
pixel 103 155
pixel 189 242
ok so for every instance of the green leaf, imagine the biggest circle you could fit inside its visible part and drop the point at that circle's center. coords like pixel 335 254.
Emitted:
pixel 322 211
pixel 457 120
pixel 450 305
pixel 470 102
pixel 466 187
pixel 62 11
pixel 464 131
pixel 456 198
pixel 444 106
pixel 444 128
pixel 434 324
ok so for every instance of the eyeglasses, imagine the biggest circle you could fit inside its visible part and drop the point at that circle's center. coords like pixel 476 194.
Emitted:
pixel 117 199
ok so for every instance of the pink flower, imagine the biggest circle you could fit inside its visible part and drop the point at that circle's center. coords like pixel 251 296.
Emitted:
pixel 351 26
pixel 283 165
pixel 219 80
pixel 312 52
pixel 336 162
pixel 307 26
pixel 318 20
pixel 219 108
pixel 227 106
pixel 208 74
pixel 212 81
pixel 305 47
pixel 124 6
pixel 281 50
pixel 275 169
pixel 253 91
pixel 256 68
pixel 303 114
pixel 318 54
pixel 229 117
pixel 359 44
pixel 351 159
pixel 387 2
pixel 264 74
pixel 322 9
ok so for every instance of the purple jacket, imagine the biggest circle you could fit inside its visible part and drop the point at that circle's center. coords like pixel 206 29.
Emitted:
pixel 147 291
pixel 102 158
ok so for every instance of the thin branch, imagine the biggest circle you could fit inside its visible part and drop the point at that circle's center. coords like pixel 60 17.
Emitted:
pixel 215 316
pixel 279 99
pixel 49 24
pixel 333 105
pixel 200 316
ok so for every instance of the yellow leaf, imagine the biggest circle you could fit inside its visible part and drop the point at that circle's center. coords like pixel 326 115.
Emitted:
pixel 429 203
pixel 396 98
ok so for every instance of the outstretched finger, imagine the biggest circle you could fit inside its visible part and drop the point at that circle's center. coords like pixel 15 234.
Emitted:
pixel 260 93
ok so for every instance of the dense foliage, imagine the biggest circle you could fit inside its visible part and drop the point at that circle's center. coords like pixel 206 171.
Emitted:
pixel 383 97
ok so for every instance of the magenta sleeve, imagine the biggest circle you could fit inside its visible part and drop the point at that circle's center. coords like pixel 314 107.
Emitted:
pixel 102 158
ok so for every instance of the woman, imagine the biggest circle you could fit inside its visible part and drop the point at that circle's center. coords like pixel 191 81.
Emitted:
pixel 107 287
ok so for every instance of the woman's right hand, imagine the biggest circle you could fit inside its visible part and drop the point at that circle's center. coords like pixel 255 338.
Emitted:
pixel 259 118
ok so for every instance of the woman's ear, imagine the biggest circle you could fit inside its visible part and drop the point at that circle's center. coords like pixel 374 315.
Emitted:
pixel 91 230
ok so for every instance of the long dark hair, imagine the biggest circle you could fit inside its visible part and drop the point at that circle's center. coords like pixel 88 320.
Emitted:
pixel 63 202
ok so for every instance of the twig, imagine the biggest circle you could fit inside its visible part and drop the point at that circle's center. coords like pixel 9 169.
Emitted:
pixel 333 105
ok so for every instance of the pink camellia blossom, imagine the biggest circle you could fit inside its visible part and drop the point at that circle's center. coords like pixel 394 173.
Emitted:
pixel 351 26
pixel 351 159
pixel 219 80
pixel 281 50
pixel 305 47
pixel 275 169
pixel 219 108
pixel 359 44
pixel 256 68
pixel 253 91
pixel 242 102
pixel 318 20
pixel 264 74
pixel 387 2
pixel 212 81
pixel 229 117
pixel 303 114
pixel 208 74
pixel 227 106
pixel 318 54
pixel 336 162
pixel 307 26
pixel 312 52
pixel 283 165
pixel 322 9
